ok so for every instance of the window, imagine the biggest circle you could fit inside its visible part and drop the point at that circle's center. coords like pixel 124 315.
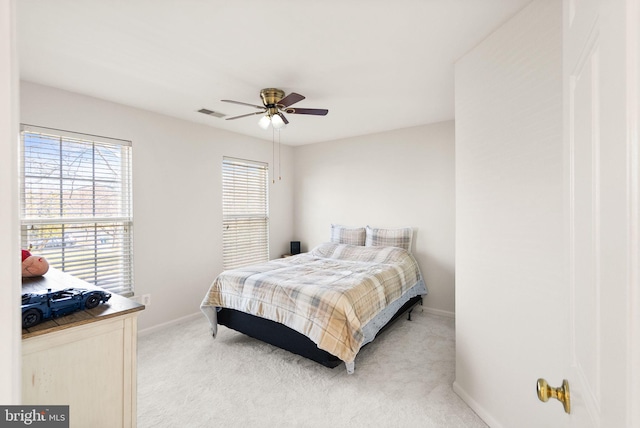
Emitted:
pixel 245 212
pixel 76 204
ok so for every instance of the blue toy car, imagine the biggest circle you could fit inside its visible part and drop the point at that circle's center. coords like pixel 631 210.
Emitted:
pixel 37 307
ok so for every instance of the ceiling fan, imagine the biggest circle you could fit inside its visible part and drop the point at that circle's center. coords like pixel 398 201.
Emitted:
pixel 274 105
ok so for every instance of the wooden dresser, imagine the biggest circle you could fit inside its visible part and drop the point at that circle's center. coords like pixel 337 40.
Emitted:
pixel 86 359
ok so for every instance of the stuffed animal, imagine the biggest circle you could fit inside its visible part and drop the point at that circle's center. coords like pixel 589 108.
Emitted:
pixel 33 265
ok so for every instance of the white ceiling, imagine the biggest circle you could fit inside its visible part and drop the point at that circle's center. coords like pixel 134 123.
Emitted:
pixel 376 65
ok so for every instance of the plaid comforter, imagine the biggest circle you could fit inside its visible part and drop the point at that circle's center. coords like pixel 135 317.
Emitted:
pixel 328 294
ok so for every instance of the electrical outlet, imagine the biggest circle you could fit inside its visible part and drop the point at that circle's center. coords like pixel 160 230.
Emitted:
pixel 144 299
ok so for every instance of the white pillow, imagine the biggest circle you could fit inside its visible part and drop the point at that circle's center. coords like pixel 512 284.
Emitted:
pixel 376 237
pixel 347 235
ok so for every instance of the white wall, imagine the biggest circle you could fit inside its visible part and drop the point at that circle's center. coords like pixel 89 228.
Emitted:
pixel 177 192
pixel 10 333
pixel 510 263
pixel 392 179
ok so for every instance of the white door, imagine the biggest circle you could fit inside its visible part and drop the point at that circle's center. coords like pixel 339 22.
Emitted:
pixel 547 246
pixel 601 166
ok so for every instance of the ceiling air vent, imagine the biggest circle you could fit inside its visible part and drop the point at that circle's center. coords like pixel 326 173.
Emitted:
pixel 211 113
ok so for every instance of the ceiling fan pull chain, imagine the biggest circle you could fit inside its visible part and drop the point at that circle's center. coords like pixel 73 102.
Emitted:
pixel 279 158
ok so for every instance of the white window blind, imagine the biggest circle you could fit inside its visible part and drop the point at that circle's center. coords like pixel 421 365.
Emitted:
pixel 245 212
pixel 76 205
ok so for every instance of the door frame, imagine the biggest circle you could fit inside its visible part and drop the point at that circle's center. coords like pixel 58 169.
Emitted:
pixel 633 134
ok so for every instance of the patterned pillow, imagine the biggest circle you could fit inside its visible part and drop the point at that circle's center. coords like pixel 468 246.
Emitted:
pixel 347 235
pixel 376 237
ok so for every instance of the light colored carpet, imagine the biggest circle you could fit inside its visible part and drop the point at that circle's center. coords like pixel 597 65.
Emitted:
pixel 403 379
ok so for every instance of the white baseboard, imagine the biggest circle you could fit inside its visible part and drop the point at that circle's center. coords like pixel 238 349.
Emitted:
pixel 473 404
pixel 440 312
pixel 164 325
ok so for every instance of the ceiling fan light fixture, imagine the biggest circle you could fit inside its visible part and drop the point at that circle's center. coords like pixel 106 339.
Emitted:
pixel 275 103
pixel 264 122
pixel 277 122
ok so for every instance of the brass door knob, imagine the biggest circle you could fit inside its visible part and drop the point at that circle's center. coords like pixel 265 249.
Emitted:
pixel 561 393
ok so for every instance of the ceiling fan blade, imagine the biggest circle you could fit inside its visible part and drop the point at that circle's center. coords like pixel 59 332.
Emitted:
pixel 246 115
pixel 284 119
pixel 314 111
pixel 243 104
pixel 290 99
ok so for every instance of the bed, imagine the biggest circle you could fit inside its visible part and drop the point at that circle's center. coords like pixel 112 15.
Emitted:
pixel 325 304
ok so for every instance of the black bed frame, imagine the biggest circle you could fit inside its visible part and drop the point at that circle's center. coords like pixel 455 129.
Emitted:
pixel 288 339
